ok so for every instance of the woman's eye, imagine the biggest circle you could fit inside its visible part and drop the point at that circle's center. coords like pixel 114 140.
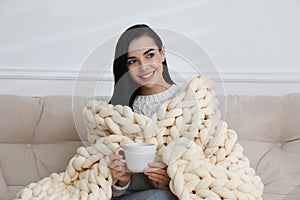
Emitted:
pixel 150 55
pixel 130 62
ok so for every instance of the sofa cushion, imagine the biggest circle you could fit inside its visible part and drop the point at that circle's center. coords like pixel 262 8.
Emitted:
pixel 38 137
pixel 268 128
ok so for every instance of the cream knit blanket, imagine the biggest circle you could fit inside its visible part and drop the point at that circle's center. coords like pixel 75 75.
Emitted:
pixel 204 161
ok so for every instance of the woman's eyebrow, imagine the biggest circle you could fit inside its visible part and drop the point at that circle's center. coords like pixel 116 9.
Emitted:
pixel 131 57
pixel 147 51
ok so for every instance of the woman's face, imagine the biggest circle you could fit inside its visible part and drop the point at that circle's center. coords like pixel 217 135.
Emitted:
pixel 144 61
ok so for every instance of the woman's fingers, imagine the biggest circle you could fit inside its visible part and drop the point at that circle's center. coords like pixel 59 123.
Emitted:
pixel 116 162
pixel 113 157
pixel 159 176
pixel 120 175
pixel 158 173
pixel 117 168
pixel 117 174
pixel 157 165
pixel 161 179
pixel 117 165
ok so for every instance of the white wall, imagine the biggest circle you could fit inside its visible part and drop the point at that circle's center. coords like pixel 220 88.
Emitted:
pixel 254 44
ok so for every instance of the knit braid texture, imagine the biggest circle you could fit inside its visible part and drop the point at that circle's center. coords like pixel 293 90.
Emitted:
pixel 202 154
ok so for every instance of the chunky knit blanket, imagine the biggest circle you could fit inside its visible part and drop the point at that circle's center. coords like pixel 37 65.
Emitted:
pixel 203 157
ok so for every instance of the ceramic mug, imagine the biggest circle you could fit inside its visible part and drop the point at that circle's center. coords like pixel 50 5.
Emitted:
pixel 137 155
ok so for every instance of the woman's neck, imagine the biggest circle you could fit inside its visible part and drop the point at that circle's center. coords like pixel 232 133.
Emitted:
pixel 155 89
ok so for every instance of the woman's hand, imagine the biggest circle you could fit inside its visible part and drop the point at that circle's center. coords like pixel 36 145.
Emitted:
pixel 117 169
pixel 158 173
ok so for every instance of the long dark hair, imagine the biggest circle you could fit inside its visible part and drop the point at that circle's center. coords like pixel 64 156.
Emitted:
pixel 126 89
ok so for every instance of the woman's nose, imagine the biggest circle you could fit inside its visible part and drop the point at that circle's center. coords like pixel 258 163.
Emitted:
pixel 143 65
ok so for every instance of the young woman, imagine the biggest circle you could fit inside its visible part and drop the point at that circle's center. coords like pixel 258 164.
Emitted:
pixel 142 81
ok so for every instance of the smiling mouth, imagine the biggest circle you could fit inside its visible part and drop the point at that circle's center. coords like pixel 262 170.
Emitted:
pixel 147 76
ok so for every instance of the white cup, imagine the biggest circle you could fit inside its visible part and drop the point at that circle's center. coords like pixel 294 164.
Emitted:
pixel 137 155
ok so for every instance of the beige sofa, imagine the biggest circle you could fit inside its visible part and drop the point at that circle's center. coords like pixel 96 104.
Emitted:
pixel 38 137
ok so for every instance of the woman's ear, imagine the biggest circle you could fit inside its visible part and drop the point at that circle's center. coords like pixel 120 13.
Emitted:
pixel 163 53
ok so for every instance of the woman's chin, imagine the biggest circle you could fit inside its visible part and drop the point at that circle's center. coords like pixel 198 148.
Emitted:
pixel 148 85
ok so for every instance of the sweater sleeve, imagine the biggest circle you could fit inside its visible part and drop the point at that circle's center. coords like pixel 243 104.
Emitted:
pixel 118 191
